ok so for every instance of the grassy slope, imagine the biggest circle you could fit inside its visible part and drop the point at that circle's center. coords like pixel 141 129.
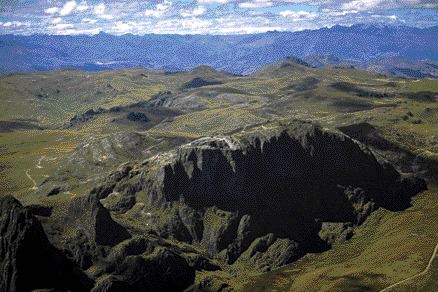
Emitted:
pixel 387 248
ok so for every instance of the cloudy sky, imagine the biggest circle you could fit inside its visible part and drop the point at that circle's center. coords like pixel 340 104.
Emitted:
pixel 205 16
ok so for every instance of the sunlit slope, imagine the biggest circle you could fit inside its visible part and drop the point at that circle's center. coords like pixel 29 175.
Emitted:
pixel 389 247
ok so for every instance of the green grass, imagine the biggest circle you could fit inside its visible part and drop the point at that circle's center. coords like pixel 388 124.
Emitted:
pixel 387 248
pixel 236 104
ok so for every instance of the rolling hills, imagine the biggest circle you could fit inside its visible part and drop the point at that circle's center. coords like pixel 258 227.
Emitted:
pixel 171 162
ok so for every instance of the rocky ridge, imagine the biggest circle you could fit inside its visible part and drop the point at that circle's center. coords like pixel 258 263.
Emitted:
pixel 261 198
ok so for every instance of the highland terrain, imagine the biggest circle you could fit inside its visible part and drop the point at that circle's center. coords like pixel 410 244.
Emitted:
pixel 295 177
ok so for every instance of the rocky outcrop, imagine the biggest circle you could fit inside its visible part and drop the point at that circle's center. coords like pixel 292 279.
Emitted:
pixel 87 230
pixel 27 259
pixel 285 180
pixel 162 270
pixel 87 216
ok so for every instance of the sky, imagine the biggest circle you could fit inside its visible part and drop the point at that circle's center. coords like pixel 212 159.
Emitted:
pixel 73 17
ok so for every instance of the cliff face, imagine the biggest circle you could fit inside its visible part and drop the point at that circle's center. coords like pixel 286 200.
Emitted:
pixel 260 198
pixel 266 191
pixel 27 259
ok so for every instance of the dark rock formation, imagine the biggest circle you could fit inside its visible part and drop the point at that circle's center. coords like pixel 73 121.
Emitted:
pixel 211 283
pixel 87 216
pixel 162 270
pixel 285 182
pixel 88 115
pixel 200 263
pixel 27 259
pixel 137 117
pixel 40 210
pixel 200 82
pixel 54 191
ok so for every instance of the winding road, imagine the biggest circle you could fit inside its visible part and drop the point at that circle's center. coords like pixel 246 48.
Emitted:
pixel 34 187
pixel 429 265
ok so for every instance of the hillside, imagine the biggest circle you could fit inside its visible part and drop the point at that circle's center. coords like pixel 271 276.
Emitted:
pixel 290 178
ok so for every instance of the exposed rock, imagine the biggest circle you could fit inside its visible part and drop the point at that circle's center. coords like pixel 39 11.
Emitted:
pixel 123 197
pixel 211 283
pixel 225 192
pixel 334 232
pixel 27 259
pixel 54 191
pixel 175 228
pixel 219 229
pixel 162 270
pixel 200 82
pixel 103 190
pixel 88 115
pixel 200 263
pixel 267 252
pixel 161 99
pixel 259 245
pixel 131 247
pixel 87 215
pixel 137 117
pixel 40 210
pixel 244 237
pixel 283 251
pixel 120 173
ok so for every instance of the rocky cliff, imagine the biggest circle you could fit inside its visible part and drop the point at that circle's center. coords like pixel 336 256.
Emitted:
pixel 28 260
pixel 262 195
pixel 260 198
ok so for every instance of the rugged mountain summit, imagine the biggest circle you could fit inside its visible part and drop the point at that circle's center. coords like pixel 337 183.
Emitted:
pixel 260 196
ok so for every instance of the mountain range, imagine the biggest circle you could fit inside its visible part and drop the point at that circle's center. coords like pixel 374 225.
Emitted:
pixel 399 50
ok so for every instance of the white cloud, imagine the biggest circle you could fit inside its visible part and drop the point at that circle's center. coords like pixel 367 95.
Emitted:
pixel 68 8
pixel 197 11
pixel 160 10
pixel 392 17
pixel 298 15
pixel 256 4
pixel 99 10
pixel 51 10
pixel 15 24
pixel 61 26
pixel 106 16
pixel 337 13
pixel 122 27
pixel 73 31
pixel 82 7
pixel 213 1
pixel 89 20
pixel 57 20
pixel 362 5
